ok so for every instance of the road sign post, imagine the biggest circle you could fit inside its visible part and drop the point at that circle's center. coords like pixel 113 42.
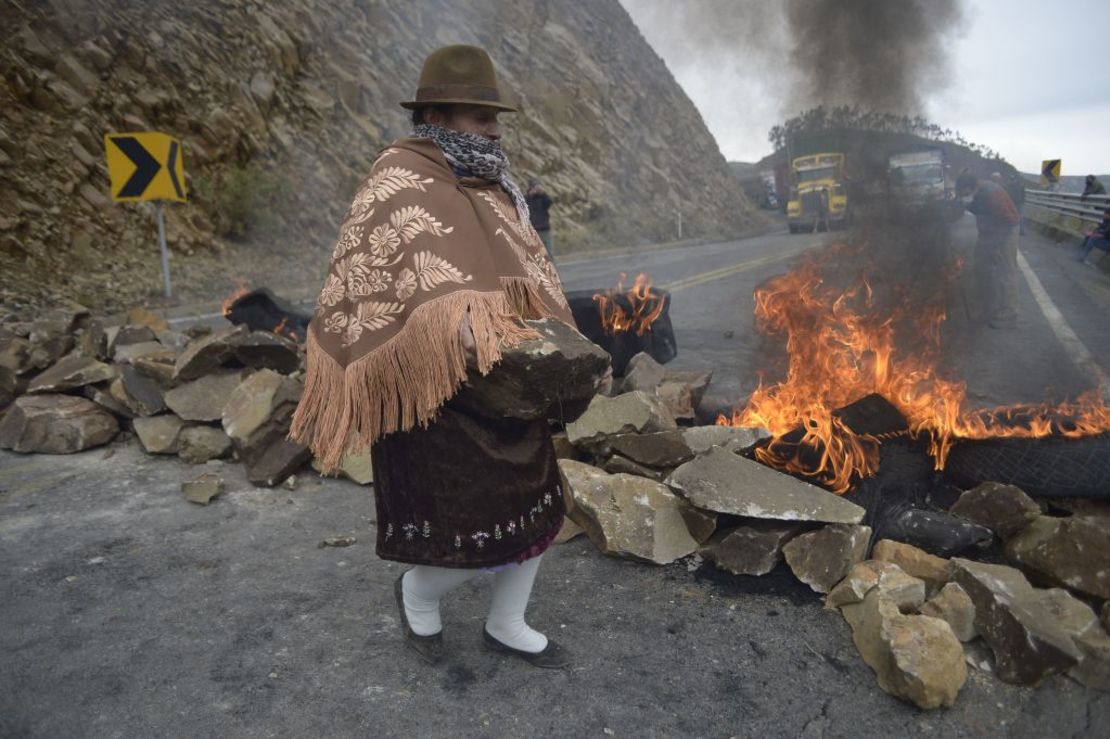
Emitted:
pixel 147 166
pixel 162 248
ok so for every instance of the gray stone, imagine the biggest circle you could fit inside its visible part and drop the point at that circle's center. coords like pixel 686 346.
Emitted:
pixel 822 558
pixel 625 515
pixel 15 354
pixel 129 335
pixel 735 439
pixel 1079 621
pixel 726 483
pixel 175 341
pixel 570 530
pixel 152 350
pixel 159 370
pixel 205 354
pixel 1028 642
pixel 617 463
pixel 913 561
pixel 140 392
pixel 915 658
pixel 256 417
pixel 1073 552
pixel 904 590
pixel 55 424
pixel 1004 509
pixel 355 466
pixel 750 549
pixel 198 444
pixel 204 399
pixel 660 449
pixel 697 380
pixel 267 350
pixel 642 373
pixel 628 413
pixel 159 434
pixel 72 371
pixel 104 399
pixel 954 606
pixel 141 317
pixel 203 489
pixel 49 341
pixel 676 398
pixel 701 524
pixel 553 376
pixel 11 386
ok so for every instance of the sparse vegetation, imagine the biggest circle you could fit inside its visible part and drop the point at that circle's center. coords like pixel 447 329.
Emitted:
pixel 244 199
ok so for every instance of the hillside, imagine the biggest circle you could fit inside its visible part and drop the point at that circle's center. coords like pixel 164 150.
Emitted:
pixel 281 107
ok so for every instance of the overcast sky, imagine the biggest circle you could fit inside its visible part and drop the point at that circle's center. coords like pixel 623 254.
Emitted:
pixel 1029 78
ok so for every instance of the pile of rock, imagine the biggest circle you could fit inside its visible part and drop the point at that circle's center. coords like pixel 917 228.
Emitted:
pixel 72 384
pixel 642 486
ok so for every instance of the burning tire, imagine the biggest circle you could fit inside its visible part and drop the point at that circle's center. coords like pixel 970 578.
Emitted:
pixel 1050 467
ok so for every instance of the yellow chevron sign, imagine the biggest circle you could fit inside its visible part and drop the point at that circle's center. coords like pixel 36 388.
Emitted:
pixel 1050 172
pixel 145 166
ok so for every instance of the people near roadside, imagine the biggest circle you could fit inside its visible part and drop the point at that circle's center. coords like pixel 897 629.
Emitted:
pixel 1099 238
pixel 434 272
pixel 996 177
pixel 995 256
pixel 539 210
pixel 1016 191
pixel 1092 187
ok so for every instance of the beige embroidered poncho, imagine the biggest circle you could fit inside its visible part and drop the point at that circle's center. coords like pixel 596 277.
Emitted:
pixel 418 248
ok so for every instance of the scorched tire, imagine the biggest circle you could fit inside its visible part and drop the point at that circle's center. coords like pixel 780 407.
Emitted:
pixel 1054 467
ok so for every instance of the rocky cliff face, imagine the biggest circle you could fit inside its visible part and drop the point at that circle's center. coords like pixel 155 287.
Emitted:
pixel 281 107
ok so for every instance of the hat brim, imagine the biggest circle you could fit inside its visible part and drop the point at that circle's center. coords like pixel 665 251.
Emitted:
pixel 414 104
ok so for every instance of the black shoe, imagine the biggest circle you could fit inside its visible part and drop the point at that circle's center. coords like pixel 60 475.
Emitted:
pixel 553 657
pixel 430 648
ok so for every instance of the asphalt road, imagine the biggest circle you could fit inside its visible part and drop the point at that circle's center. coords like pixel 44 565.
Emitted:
pixel 126 611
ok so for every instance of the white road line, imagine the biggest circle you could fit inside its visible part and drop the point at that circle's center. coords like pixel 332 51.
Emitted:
pixel 1073 345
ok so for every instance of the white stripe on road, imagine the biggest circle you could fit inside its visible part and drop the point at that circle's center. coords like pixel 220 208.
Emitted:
pixel 1073 345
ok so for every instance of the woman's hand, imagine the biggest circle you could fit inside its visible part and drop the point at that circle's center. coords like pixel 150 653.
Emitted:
pixel 469 345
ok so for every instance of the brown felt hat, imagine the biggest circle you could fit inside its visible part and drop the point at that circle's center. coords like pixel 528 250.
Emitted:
pixel 458 75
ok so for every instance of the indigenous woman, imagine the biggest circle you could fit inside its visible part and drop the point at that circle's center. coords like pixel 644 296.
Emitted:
pixel 435 267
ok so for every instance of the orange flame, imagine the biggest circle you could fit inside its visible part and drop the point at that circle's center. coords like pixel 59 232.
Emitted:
pixel 645 306
pixel 240 290
pixel 841 347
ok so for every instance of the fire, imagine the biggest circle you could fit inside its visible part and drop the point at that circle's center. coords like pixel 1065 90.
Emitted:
pixel 841 345
pixel 644 306
pixel 240 290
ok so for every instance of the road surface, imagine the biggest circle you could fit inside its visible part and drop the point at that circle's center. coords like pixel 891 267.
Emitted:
pixel 126 611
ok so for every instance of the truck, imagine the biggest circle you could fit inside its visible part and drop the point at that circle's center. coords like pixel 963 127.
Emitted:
pixel 818 195
pixel 917 185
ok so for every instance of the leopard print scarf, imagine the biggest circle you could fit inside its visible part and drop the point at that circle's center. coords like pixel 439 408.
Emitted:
pixel 478 156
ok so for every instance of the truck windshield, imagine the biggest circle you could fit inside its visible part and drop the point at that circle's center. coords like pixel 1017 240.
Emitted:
pixel 918 174
pixel 824 173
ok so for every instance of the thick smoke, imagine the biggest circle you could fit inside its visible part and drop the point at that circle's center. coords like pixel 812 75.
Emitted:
pixel 877 54
pixel 750 63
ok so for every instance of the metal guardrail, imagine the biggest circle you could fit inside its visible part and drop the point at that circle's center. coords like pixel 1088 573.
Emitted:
pixel 1069 204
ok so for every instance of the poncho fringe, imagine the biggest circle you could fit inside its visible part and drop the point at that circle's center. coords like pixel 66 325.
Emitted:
pixel 404 382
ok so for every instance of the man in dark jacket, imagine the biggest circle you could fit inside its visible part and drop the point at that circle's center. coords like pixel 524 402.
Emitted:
pixel 995 255
pixel 539 207
pixel 1096 239
pixel 1093 187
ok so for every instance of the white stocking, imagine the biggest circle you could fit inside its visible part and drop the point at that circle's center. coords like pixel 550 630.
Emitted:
pixel 423 586
pixel 511 590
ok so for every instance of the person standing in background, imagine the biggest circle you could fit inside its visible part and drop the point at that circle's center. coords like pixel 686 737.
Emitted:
pixel 539 206
pixel 1016 191
pixel 995 255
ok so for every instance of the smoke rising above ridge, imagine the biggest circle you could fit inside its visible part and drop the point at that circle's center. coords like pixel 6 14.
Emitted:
pixel 750 63
pixel 877 54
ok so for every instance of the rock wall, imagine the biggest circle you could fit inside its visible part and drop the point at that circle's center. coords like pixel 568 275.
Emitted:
pixel 282 106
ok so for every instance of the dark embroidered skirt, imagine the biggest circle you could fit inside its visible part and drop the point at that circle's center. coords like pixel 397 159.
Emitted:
pixel 468 491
